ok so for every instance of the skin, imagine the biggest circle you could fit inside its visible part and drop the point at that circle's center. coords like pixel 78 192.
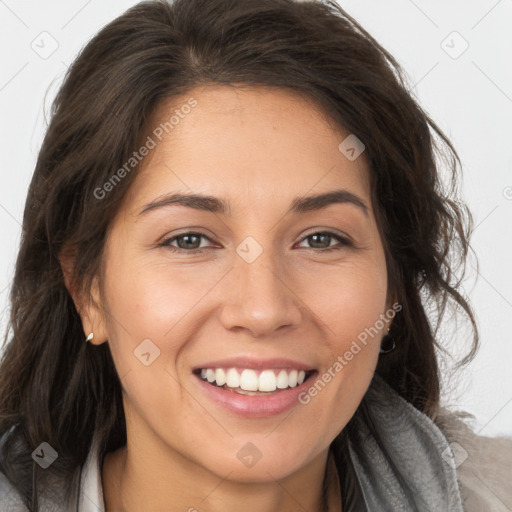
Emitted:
pixel 258 149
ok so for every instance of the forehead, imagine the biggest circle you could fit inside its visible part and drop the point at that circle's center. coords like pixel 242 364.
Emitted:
pixel 252 145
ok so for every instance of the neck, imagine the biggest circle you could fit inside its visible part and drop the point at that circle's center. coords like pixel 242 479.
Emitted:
pixel 130 485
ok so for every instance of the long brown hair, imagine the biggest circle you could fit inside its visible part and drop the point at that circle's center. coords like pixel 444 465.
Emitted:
pixel 58 389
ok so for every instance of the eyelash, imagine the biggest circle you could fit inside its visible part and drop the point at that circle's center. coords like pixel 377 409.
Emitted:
pixel 166 243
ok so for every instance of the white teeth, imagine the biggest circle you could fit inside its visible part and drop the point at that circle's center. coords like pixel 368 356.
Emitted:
pixel 220 376
pixel 210 375
pixel 232 378
pixel 267 381
pixel 282 380
pixel 249 380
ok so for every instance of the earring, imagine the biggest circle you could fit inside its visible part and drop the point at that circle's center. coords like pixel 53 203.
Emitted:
pixel 90 337
pixel 386 340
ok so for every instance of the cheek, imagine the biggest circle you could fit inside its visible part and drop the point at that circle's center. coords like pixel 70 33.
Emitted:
pixel 154 310
pixel 148 305
pixel 142 312
pixel 352 311
pixel 351 299
pixel 151 300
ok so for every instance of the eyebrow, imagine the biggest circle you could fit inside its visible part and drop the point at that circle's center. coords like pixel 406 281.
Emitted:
pixel 213 204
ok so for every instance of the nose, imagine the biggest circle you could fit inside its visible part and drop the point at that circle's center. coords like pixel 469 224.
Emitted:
pixel 260 297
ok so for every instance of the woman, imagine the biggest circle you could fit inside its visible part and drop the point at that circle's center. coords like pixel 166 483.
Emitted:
pixel 233 223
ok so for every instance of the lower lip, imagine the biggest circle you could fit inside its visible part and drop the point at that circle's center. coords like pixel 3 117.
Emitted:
pixel 261 406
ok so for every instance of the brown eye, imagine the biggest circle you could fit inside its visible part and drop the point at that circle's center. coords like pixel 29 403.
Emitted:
pixel 188 242
pixel 322 240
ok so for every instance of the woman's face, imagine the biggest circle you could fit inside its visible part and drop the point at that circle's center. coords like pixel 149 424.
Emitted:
pixel 263 288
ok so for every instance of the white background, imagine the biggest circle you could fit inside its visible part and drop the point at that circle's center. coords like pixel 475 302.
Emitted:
pixel 470 97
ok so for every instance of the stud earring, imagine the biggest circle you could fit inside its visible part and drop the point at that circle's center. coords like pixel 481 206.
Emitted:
pixel 90 337
pixel 386 340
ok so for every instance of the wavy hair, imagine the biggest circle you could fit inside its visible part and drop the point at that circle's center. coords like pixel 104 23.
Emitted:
pixel 58 389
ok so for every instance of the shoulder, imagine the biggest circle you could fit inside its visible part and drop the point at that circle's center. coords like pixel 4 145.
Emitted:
pixel 483 464
pixel 10 498
pixel 51 497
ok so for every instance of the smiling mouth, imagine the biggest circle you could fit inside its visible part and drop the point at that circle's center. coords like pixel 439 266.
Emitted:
pixel 248 382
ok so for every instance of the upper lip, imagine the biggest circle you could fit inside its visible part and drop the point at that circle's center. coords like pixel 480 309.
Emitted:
pixel 254 364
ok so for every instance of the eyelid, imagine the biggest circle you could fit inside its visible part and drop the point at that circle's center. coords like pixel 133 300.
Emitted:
pixel 343 239
pixel 165 242
pixel 327 231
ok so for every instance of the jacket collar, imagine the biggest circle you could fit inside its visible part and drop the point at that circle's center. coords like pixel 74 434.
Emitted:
pixel 408 464
pixel 91 488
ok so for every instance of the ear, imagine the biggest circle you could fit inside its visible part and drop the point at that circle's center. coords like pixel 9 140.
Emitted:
pixel 88 307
